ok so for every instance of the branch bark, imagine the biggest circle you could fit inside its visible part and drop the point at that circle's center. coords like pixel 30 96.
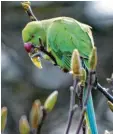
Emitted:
pixel 28 10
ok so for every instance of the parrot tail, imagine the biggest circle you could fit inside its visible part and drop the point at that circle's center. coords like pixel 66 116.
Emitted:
pixel 90 116
pixel 90 113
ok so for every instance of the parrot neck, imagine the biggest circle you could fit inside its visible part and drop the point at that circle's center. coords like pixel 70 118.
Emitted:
pixel 45 24
pixel 48 22
pixel 43 31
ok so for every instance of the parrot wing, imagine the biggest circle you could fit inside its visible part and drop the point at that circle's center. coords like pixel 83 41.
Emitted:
pixel 63 36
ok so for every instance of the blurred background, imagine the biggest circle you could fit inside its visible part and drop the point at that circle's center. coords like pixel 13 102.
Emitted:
pixel 22 82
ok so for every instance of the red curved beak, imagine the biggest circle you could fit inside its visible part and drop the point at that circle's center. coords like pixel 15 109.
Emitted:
pixel 28 47
pixel 34 56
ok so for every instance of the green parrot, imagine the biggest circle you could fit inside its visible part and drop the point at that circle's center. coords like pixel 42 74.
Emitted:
pixel 57 38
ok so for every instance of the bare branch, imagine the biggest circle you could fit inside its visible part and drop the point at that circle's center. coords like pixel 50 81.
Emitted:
pixel 28 10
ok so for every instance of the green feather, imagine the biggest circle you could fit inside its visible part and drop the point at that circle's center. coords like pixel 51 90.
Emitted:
pixel 63 36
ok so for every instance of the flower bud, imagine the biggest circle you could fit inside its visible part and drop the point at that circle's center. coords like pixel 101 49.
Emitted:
pixel 75 63
pixel 93 59
pixel 36 114
pixel 83 76
pixel 26 5
pixel 110 104
pixel 51 101
pixel 3 118
pixel 24 127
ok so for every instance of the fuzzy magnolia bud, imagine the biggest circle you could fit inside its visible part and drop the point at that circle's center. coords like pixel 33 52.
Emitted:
pixel 3 118
pixel 93 59
pixel 36 114
pixel 26 5
pixel 110 104
pixel 51 101
pixel 24 127
pixel 75 63
pixel 83 76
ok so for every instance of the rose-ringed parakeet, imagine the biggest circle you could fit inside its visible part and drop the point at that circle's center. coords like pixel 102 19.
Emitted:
pixel 57 38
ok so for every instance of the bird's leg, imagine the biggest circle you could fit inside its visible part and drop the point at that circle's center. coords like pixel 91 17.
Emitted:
pixel 42 48
pixel 41 43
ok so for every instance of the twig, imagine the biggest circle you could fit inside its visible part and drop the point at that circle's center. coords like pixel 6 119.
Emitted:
pixel 81 106
pixel 42 121
pixel 85 102
pixel 102 89
pixel 75 87
pixel 28 10
pixel 81 120
pixel 33 131
pixel 105 92
pixel 80 96
pixel 84 126
pixel 72 103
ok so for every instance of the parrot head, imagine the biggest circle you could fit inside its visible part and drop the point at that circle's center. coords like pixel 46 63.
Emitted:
pixel 32 34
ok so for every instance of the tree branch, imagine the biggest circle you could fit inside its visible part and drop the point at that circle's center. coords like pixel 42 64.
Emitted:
pixel 72 104
pixel 89 87
pixel 81 106
pixel 105 92
pixel 102 89
pixel 28 10
pixel 81 120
